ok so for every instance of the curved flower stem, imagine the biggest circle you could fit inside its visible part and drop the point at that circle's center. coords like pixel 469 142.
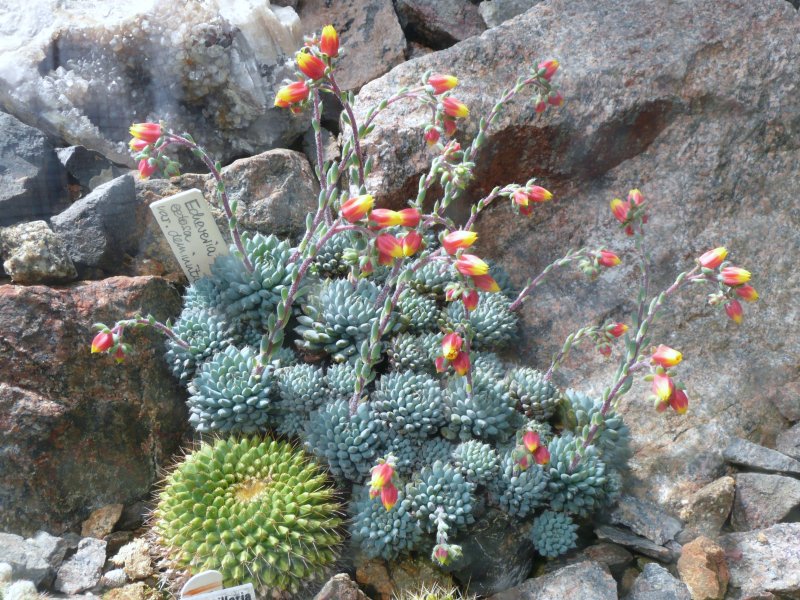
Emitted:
pixel 481 205
pixel 353 125
pixel 223 193
pixel 150 321
pixel 571 341
pixel 569 257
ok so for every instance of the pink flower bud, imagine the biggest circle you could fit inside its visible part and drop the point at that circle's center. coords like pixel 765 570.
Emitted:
pixel 608 259
pixel 146 168
pixel 450 127
pixel 411 242
pixel 329 41
pixel 555 99
pixel 617 329
pixel 663 387
pixel 470 265
pixel 549 67
pixel 381 475
pixel 679 402
pixel 311 66
pixel 441 364
pixel 734 311
pixel 455 108
pixel 485 283
pixel 531 440
pixel 388 496
pixel 431 136
pixel 102 342
pixel 541 455
pixel 621 209
pixel 442 83
pixel 148 132
pixel 666 357
pixel 293 93
pixel 458 239
pixel 451 345
pixel 461 363
pixel 537 193
pixel 137 145
pixel 470 299
pixel 389 248
pixel 747 293
pixel 357 207
pixel 713 258
pixel 635 198
pixel 119 354
pixel 734 276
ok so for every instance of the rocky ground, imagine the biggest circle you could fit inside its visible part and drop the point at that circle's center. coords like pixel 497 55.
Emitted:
pixel 694 103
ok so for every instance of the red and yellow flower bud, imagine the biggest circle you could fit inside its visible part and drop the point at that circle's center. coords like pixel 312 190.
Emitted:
pixel 148 132
pixel 432 136
pixel 102 342
pixel 713 258
pixel 293 93
pixel 329 41
pixel 451 345
pixel 608 259
pixel 541 455
pixel 679 402
pixel 455 108
pixel 311 66
pixel 411 242
pixel 389 248
pixel 119 354
pixel 617 329
pixel 531 440
pixel 461 363
pixel 621 209
pixel 549 67
pixel 734 276
pixel 747 293
pixel 666 357
pixel 137 145
pixel 663 387
pixel 520 197
pixel 357 207
pixel 441 555
pixel 455 240
pixel 635 198
pixel 540 106
pixel 441 364
pixel 146 168
pixel 388 496
pixel 384 217
pixel 471 265
pixel 470 299
pixel 734 311
pixel 485 283
pixel 409 217
pixel 381 475
pixel 555 99
pixel 537 193
pixel 450 127
pixel 604 349
pixel 442 83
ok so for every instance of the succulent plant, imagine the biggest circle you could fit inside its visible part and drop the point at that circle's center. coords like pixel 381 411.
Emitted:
pixel 207 333
pixel 613 438
pixel 341 380
pixel 487 413
pixel 329 261
pixel 536 397
pixel 582 490
pixel 384 533
pixel 405 450
pixel 432 278
pixel 340 319
pixel 477 461
pixel 519 492
pixel 200 294
pixel 257 510
pixel 302 388
pixel 442 485
pixel 227 396
pixel 410 403
pixel 415 352
pixel 492 323
pixel 553 533
pixel 350 445
pixel 418 311
pixel 503 279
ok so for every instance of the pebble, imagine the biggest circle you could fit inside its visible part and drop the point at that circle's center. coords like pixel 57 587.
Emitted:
pixel 747 454
pixel 82 571
pixel 703 569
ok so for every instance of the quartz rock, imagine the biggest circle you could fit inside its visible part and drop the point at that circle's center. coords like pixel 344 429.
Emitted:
pixel 83 570
pixel 33 254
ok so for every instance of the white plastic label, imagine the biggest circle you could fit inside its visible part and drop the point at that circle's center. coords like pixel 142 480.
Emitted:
pixel 191 231
pixel 240 592
pixel 202 583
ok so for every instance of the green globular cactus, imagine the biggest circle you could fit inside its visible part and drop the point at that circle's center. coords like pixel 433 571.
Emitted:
pixel 415 352
pixel 580 491
pixel 492 323
pixel 419 312
pixel 384 533
pixel 207 333
pixel 350 445
pixel 553 533
pixel 410 403
pixel 488 413
pixel 442 485
pixel 257 510
pixel 613 438
pixel 536 397
pixel 341 380
pixel 227 395
pixel 340 319
pixel 434 592
pixel 516 491
pixel 477 461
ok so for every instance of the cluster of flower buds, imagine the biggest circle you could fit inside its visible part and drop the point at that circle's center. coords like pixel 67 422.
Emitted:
pixel 733 283
pixel 449 109
pixel 630 212
pixel 109 340
pixel 590 265
pixel 552 97
pixel 146 140
pixel 525 197
pixel 477 271
pixel 607 335
pixel 382 482
pixel 391 247
pixel 443 552
pixel 453 353
pixel 313 63
pixel 666 392
pixel 529 450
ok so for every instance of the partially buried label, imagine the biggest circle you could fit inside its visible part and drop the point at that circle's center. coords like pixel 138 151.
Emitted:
pixel 240 592
pixel 191 231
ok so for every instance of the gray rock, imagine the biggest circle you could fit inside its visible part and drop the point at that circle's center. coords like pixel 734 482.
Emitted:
pixel 495 556
pixel 32 181
pixel 747 454
pixel 83 570
pixel 115 578
pixel 33 254
pixel 340 587
pixel 27 560
pixel 587 581
pixel 495 12
pixel 763 500
pixel 53 548
pixel 134 558
pixel 766 560
pixel 614 557
pixel 5 573
pixel 643 102
pixel 788 442
pixel 647 519
pixel 369 32
pixel 635 542
pixel 21 590
pixel 330 146
pixel 705 511
pixel 213 71
pixel 656 583
pixel 439 23
pixel 101 229
pixel 87 168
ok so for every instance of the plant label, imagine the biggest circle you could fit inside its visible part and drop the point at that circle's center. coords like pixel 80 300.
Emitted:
pixel 187 222
pixel 202 583
pixel 239 592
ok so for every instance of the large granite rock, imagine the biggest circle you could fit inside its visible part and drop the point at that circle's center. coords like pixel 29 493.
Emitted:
pixel 705 511
pixel 79 431
pixel 84 72
pixel 32 181
pixel 675 99
pixel 586 580
pixel 440 23
pixel 763 499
